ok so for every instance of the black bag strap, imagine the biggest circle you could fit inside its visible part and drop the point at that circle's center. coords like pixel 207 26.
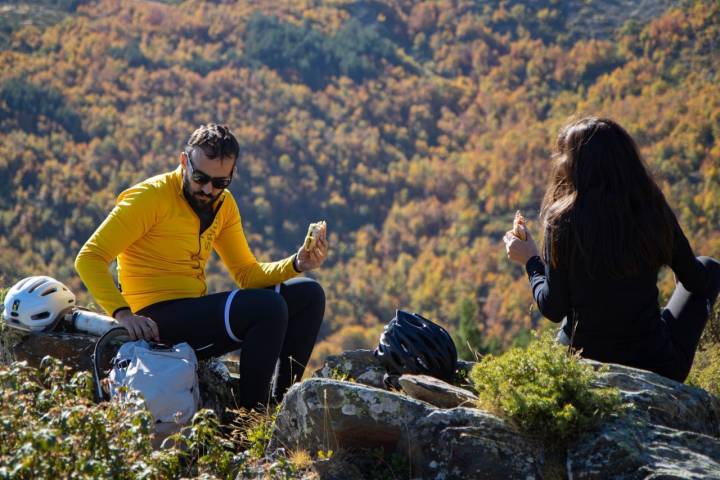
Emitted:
pixel 100 345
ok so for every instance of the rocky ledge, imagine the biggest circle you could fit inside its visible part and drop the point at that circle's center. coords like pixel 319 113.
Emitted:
pixel 668 430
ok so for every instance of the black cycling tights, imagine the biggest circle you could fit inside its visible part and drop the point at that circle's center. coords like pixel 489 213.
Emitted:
pixel 275 328
pixel 685 317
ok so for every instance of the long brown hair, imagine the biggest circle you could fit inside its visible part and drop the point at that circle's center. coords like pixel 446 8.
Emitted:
pixel 602 210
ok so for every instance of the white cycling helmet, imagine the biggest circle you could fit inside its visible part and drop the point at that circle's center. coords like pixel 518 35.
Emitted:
pixel 36 303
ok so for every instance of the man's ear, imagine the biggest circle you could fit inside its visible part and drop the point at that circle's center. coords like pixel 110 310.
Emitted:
pixel 183 159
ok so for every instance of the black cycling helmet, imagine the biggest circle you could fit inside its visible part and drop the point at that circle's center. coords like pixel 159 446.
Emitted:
pixel 413 344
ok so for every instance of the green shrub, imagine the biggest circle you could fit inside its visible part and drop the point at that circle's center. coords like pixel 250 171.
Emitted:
pixel 706 369
pixel 252 430
pixel 338 373
pixel 705 372
pixel 470 341
pixel 543 390
pixel 50 428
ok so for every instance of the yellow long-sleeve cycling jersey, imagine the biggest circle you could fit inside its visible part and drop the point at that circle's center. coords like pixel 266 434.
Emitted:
pixel 155 236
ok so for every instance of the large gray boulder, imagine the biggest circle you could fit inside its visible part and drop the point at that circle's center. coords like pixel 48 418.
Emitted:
pixel 658 400
pixel 324 414
pixel 671 430
pixel 668 430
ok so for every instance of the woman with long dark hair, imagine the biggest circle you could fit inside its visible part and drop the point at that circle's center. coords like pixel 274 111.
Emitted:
pixel 607 231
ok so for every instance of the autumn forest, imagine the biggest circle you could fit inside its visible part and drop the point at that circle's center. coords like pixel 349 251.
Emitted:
pixel 416 129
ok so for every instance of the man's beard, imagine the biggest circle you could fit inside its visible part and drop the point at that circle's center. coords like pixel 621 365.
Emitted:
pixel 198 200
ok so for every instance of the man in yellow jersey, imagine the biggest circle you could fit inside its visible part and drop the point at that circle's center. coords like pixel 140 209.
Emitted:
pixel 162 232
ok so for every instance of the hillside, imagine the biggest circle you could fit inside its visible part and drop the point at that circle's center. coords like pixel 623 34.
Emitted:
pixel 416 129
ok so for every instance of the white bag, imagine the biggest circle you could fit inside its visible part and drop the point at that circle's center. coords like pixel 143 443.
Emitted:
pixel 166 377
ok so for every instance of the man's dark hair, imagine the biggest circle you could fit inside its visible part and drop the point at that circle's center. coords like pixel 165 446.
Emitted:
pixel 216 141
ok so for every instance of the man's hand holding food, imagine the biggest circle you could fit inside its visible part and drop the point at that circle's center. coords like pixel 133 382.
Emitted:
pixel 314 249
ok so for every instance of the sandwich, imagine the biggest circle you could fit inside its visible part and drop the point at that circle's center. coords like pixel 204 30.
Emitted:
pixel 313 234
pixel 519 226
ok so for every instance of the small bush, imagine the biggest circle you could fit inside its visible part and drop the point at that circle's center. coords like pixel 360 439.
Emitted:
pixel 705 372
pixel 50 428
pixel 338 373
pixel 543 390
pixel 252 431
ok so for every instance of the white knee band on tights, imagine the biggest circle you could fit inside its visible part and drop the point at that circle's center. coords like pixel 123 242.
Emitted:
pixel 228 303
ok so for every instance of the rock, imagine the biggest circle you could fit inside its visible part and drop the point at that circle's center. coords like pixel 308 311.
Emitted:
pixel 661 401
pixel 217 388
pixel 73 348
pixel 672 430
pixel 359 365
pixel 669 429
pixel 436 392
pixel 465 366
pixel 323 414
pixel 623 449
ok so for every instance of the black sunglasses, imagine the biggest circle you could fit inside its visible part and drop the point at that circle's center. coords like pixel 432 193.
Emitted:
pixel 202 178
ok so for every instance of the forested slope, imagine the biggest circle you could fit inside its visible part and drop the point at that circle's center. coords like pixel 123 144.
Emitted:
pixel 416 129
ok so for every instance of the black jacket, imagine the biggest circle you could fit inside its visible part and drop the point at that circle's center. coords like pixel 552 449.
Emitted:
pixel 618 321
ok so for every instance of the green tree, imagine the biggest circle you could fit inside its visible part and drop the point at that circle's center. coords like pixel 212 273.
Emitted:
pixel 470 340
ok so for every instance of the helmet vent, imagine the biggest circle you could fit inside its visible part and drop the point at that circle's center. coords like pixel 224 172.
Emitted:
pixel 40 316
pixel 423 363
pixel 428 343
pixel 48 292
pixel 39 282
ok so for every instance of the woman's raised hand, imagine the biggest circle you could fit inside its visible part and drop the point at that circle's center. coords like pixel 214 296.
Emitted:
pixel 520 251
